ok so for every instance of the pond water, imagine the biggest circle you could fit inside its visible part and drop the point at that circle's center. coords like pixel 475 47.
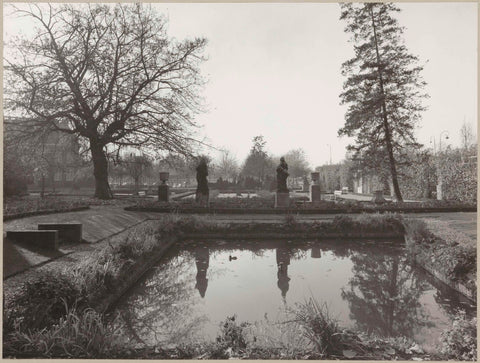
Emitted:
pixel 368 286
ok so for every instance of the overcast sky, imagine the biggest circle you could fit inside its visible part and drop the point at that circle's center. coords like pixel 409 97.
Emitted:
pixel 274 70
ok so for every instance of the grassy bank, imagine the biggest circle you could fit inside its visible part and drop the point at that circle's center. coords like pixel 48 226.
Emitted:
pixel 444 252
pixel 46 307
pixel 306 332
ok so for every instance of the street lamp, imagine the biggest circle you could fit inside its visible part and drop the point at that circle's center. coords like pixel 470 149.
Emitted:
pixel 440 141
pixel 439 169
pixel 330 145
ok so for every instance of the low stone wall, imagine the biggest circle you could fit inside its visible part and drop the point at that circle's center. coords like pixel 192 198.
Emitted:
pixel 297 211
pixel 423 258
pixel 293 235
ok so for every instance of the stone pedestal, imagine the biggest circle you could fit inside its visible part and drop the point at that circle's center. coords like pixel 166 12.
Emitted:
pixel 202 198
pixel 316 253
pixel 315 195
pixel 282 199
pixel 378 197
pixel 163 193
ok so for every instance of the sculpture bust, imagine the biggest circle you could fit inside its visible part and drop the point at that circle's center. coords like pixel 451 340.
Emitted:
pixel 282 174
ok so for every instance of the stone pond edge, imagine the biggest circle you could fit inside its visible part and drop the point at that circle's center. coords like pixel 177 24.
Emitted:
pixel 423 261
pixel 298 211
pixel 141 266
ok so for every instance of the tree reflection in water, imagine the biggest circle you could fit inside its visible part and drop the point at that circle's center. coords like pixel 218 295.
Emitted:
pixel 384 295
pixel 382 291
pixel 162 308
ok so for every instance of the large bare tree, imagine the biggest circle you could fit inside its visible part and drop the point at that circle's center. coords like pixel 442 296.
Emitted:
pixel 108 74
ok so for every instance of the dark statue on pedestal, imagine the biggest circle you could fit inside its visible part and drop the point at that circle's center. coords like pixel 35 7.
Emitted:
pixel 282 174
pixel 202 183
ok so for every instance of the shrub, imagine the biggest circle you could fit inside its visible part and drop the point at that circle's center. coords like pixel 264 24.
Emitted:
pixel 460 341
pixel 232 334
pixel 319 328
pixel 41 302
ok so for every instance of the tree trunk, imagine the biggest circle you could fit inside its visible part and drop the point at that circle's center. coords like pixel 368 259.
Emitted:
pixel 100 171
pixel 42 191
pixel 388 135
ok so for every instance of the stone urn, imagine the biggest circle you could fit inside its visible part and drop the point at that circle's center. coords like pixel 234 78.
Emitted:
pixel 163 175
pixel 315 177
pixel 378 197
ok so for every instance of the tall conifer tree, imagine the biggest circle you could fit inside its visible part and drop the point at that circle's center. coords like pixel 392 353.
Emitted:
pixel 383 90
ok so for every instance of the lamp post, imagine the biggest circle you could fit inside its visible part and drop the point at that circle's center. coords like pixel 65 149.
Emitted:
pixel 440 139
pixel 439 170
pixel 330 146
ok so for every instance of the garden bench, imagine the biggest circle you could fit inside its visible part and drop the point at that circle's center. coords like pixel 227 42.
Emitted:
pixel 69 232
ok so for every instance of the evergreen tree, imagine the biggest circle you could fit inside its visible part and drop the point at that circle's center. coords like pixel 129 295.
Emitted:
pixel 383 90
pixel 258 163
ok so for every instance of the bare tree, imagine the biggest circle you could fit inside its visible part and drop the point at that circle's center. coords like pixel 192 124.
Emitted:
pixel 137 166
pixel 109 75
pixel 297 164
pixel 227 166
pixel 466 135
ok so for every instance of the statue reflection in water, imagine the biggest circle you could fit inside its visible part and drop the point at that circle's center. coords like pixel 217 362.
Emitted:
pixel 283 260
pixel 202 256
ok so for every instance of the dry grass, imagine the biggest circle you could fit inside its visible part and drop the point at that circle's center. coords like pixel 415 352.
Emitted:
pixel 77 334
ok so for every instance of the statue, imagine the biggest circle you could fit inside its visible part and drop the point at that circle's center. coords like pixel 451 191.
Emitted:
pixel 202 183
pixel 282 174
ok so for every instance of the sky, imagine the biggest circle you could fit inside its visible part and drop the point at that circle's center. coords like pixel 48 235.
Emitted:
pixel 273 69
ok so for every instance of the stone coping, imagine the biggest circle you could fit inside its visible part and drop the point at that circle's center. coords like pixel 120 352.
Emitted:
pixel 294 235
pixel 298 211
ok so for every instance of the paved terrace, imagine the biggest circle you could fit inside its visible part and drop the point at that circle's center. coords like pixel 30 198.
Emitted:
pixel 101 222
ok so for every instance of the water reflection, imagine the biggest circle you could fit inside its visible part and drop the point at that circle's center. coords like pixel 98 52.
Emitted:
pixel 369 286
pixel 384 295
pixel 161 310
pixel 283 261
pixel 316 252
pixel 202 257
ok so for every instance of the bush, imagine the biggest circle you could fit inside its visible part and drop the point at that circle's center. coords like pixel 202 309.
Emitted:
pixel 319 328
pixel 41 302
pixel 460 341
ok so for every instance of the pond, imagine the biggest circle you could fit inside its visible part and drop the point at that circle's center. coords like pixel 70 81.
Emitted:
pixel 368 286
